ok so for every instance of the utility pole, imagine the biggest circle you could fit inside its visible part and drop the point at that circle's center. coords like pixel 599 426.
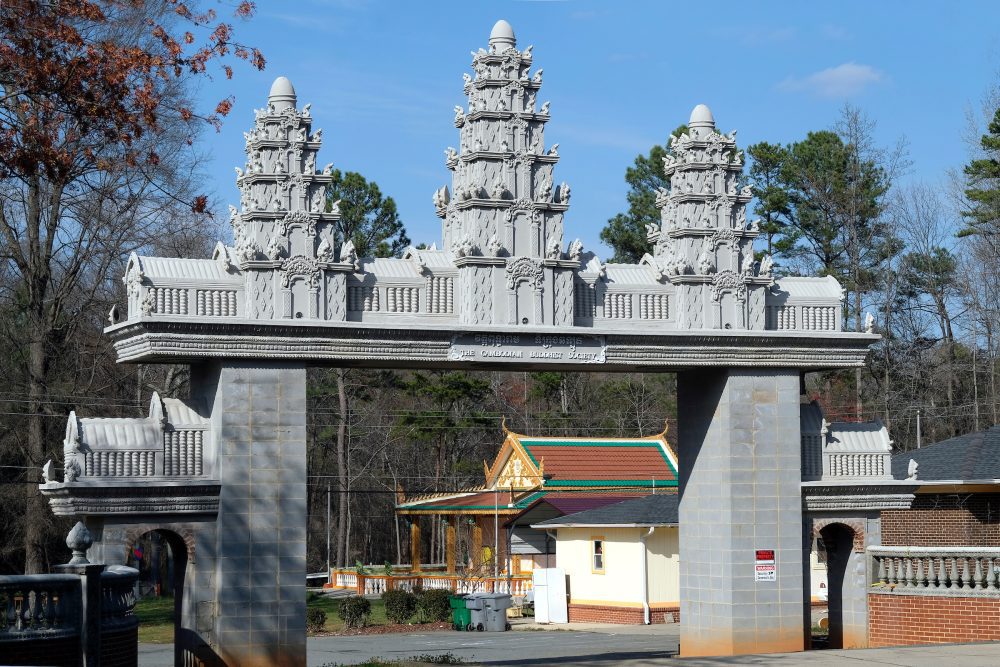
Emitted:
pixel 329 576
pixel 496 533
pixel 918 429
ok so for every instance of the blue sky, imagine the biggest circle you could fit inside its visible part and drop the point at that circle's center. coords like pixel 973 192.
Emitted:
pixel 383 78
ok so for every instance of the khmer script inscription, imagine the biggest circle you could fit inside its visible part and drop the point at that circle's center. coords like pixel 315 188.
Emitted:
pixel 533 348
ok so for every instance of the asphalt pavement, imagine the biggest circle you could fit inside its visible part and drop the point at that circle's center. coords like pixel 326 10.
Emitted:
pixel 598 646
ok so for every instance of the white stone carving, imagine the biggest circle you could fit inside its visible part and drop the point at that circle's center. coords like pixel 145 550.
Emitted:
pixel 275 248
pixel 300 266
pixel 563 193
pixel 149 302
pixel 348 255
pixel 706 264
pixel 554 250
pixel 324 252
pixel 575 251
pixel 727 280
pixel 493 247
pixel 766 265
pixel 523 268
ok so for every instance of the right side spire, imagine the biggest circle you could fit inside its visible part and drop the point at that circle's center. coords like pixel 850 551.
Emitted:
pixel 704 244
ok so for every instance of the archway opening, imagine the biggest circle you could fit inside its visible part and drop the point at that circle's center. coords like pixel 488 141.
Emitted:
pixel 837 544
pixel 161 557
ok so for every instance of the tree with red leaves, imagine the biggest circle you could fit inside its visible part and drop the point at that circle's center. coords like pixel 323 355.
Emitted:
pixel 95 133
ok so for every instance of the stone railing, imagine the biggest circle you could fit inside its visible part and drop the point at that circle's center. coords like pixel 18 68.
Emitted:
pixel 376 584
pixel 856 464
pixel 955 571
pixel 39 605
pixel 83 615
pixel 186 301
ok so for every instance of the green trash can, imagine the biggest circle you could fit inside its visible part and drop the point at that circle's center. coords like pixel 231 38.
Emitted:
pixel 461 617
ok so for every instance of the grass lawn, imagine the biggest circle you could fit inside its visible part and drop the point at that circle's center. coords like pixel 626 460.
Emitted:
pixel 156 620
pixel 156 616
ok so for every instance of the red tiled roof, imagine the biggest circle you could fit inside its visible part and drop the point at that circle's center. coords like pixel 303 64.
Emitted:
pixel 567 461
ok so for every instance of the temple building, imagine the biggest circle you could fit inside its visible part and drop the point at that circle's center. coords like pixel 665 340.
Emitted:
pixel 534 478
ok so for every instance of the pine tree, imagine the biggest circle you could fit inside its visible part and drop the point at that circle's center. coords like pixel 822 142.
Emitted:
pixel 983 192
pixel 367 218
pixel 626 232
pixel 773 201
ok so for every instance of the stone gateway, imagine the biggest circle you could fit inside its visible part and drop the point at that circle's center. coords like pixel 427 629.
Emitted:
pixel 225 470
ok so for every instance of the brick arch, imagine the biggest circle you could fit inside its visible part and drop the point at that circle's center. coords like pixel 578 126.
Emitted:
pixel 856 525
pixel 186 535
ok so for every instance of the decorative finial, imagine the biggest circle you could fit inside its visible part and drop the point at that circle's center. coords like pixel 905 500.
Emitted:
pixel 79 540
pixel 282 95
pixel 502 37
pixel 49 472
pixel 701 116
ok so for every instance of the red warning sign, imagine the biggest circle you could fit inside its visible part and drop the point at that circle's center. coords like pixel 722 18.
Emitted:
pixel 765 568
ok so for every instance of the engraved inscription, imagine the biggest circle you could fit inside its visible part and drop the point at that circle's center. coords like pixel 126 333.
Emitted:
pixel 533 348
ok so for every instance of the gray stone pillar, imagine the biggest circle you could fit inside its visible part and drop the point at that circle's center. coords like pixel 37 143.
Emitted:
pixel 259 428
pixel 740 492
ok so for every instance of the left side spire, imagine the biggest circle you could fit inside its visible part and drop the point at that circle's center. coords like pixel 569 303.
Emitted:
pixel 282 226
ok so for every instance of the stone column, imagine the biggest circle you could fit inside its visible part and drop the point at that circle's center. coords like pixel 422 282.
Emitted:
pixel 739 493
pixel 449 544
pixel 415 543
pixel 258 414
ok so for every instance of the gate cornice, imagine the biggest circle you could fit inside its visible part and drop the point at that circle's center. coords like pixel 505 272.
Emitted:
pixel 155 340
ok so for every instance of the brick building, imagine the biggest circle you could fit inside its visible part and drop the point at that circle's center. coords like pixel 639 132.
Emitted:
pixel 913 548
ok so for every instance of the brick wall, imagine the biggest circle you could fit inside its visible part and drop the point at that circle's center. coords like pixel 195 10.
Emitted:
pixel 899 620
pixel 945 520
pixel 592 613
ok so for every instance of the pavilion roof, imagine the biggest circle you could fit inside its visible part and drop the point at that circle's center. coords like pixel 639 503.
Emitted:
pixel 621 462
pixel 478 502
pixel 563 469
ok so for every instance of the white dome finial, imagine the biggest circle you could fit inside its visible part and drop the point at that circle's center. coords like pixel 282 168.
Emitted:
pixel 502 36
pixel 282 94
pixel 701 116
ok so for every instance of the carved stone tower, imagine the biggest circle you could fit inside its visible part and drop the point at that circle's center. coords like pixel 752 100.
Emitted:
pixel 503 216
pixel 704 245
pixel 284 239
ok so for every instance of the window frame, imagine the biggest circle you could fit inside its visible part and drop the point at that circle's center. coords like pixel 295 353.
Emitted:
pixel 594 539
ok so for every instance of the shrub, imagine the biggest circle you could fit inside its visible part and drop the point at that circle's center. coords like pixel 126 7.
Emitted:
pixel 354 611
pixel 315 619
pixel 433 605
pixel 387 570
pixel 399 605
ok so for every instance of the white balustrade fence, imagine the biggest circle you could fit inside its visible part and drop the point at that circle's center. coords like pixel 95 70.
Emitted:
pixel 183 451
pixel 936 570
pixel 119 463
